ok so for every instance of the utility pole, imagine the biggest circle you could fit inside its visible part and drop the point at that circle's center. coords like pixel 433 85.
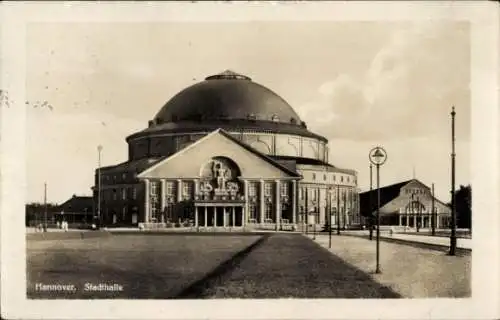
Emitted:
pixel 45 207
pixel 433 214
pixel 453 236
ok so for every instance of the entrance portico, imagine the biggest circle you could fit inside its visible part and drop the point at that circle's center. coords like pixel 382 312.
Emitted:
pixel 219 214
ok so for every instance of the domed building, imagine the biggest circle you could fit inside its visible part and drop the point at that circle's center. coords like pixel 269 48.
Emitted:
pixel 226 153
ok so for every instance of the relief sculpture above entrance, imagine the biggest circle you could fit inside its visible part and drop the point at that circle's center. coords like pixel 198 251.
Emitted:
pixel 219 180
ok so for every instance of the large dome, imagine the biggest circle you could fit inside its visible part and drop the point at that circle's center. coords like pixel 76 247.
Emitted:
pixel 227 96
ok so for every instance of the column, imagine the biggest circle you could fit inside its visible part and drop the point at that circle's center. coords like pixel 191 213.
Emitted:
pixel 234 216
pixel 196 187
pixel 245 210
pixel 436 217
pixel 414 220
pixel 206 222
pixel 262 204
pixel 215 216
pixel 294 201
pixel 400 220
pixel 179 190
pixel 147 206
pixel 225 218
pixel 278 205
pixel 162 199
pixel 196 217
pixel 407 220
pixel 422 220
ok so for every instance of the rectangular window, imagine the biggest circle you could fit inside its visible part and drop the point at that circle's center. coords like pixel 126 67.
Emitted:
pixel 253 212
pixel 124 213
pixel 134 193
pixel 284 189
pixel 124 193
pixel 187 189
pixel 252 189
pixel 268 212
pixel 170 188
pixel 153 187
pixel 115 196
pixel 268 187
pixel 302 193
pixel 315 194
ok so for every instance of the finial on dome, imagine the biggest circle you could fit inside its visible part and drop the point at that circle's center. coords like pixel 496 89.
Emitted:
pixel 228 75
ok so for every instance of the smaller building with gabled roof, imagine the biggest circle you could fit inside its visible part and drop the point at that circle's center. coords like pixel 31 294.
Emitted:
pixel 408 203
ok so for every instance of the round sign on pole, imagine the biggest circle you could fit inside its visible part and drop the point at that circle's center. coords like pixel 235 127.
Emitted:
pixel 378 156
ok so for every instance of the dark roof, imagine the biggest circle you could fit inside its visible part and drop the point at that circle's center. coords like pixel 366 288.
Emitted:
pixel 78 204
pixel 368 199
pixel 132 166
pixel 299 160
pixel 231 125
pixel 227 95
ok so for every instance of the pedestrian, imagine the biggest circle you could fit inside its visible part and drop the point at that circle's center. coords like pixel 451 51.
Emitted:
pixel 58 225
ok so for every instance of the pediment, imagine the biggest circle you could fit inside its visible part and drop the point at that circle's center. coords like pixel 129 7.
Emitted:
pixel 195 160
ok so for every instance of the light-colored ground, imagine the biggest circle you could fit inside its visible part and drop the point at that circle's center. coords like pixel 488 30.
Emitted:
pixel 410 271
pixel 444 241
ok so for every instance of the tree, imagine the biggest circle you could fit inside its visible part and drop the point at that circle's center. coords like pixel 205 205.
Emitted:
pixel 463 201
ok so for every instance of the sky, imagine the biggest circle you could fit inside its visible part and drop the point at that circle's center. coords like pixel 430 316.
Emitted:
pixel 359 84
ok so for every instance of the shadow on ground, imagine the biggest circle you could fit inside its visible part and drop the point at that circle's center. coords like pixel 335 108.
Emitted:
pixel 289 266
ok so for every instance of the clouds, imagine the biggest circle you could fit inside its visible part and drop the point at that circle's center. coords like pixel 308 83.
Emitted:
pixel 357 83
pixel 406 90
pixel 62 149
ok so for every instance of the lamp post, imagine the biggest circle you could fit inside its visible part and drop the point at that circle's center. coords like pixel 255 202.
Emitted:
pixel 330 219
pixel 433 214
pixel 370 217
pixel 453 236
pixel 338 209
pixel 45 207
pixel 378 156
pixel 99 149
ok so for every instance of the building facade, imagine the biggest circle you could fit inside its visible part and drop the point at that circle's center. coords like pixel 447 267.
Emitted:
pixel 227 152
pixel 407 204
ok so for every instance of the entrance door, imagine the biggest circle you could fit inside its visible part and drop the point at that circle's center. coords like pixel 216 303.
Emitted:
pixel 220 216
pixel 238 215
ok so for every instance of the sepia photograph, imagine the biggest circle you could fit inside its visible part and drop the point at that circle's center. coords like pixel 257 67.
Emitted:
pixel 227 159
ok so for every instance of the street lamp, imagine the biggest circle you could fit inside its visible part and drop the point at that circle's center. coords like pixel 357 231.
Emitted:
pixel 45 207
pixel 433 214
pixel 330 219
pixel 370 217
pixel 99 149
pixel 453 236
pixel 378 156
pixel 338 209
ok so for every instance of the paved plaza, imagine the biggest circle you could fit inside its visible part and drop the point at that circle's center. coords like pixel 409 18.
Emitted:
pixel 411 271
